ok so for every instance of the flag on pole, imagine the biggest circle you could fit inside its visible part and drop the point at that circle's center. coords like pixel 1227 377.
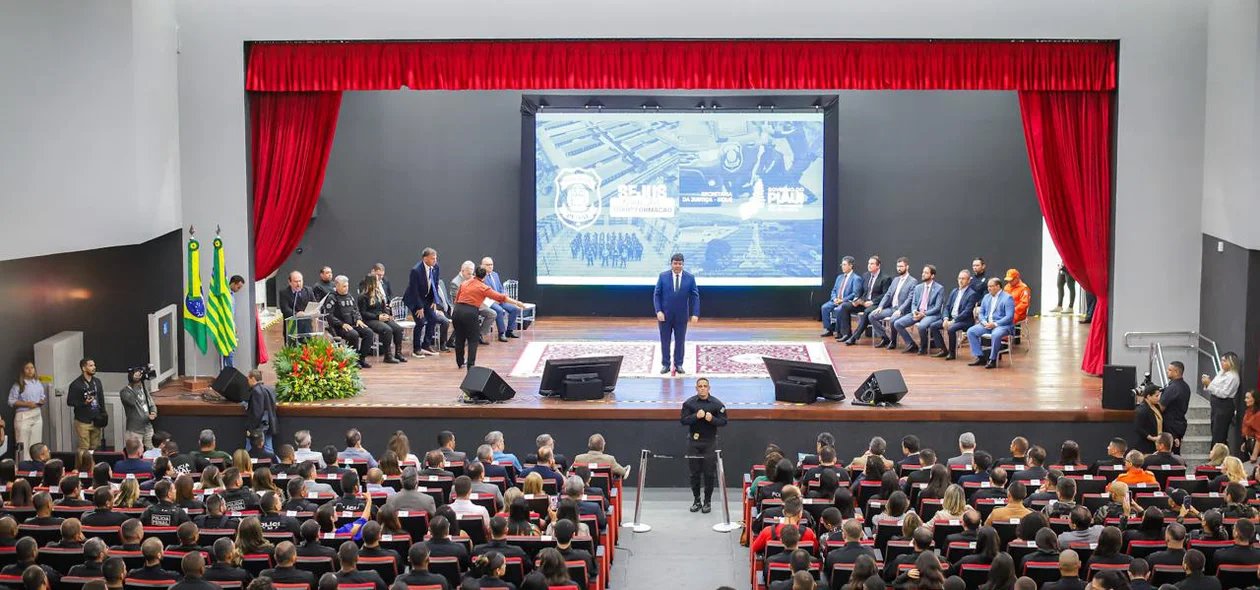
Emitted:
pixel 194 305
pixel 219 305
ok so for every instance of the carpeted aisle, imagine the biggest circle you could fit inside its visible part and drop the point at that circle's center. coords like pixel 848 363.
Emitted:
pixel 681 550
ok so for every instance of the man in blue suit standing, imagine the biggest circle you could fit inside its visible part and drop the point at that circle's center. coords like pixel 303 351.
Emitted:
pixel 848 287
pixel 505 313
pixel 896 303
pixel 925 308
pixel 423 299
pixel 997 318
pixel 958 315
pixel 677 300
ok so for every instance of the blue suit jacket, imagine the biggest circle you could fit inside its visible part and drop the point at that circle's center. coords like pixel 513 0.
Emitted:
pixel 1004 315
pixel 852 291
pixel 492 279
pixel 419 294
pixel 907 291
pixel 965 311
pixel 934 298
pixel 684 302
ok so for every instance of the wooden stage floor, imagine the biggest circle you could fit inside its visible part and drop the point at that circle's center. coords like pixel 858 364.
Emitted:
pixel 1046 383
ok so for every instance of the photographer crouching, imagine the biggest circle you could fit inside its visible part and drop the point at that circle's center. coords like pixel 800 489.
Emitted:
pixel 138 404
pixel 86 396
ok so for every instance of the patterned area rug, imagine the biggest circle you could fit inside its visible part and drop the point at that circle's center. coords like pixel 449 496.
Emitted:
pixel 743 359
pixel 703 359
pixel 638 358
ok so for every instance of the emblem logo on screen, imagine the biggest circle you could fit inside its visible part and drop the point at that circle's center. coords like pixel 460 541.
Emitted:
pixel 577 197
pixel 732 156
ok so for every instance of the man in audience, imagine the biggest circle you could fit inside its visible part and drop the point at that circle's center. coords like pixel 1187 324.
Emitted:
pixel 306 472
pixel 43 511
pixel 193 564
pixel 302 439
pixel 235 497
pixel 793 513
pixel 164 512
pixel 94 554
pixel 1020 293
pixel 876 447
pixel 565 530
pixel 376 483
pixel 285 571
pixel 441 545
pixel 311 547
pixel 546 467
pixel 410 498
pixel 434 465
pixel 39 455
pixel 34 578
pixel 546 440
pixel 372 547
pixel 209 450
pixel 161 472
pixel 1195 579
pixel 971 528
pixel 957 315
pixel 967 449
pixel 997 314
pixel 348 501
pixel 922 539
pixel 1175 554
pixel 27 554
pixel 72 493
pixel 272 520
pixel 485 455
pixel 505 313
pixel 874 285
pixel 215 516
pixel 595 455
pixel 181 463
pixel 495 439
pixel 446 444
pixel 1139 575
pixel 1236 502
pixel 1134 474
pixel 258 448
pixel 224 568
pixel 325 286
pixel 463 506
pixel 847 553
pixel 188 535
pixel 1014 508
pixel 345 320
pixel 297 502
pixel 476 472
pixel 350 573
pixel 1047 492
pixel 1019 452
pixel 132 463
pixel 418 557
pixel 826 462
pixel 997 486
pixel 1081 528
pixel 498 542
pixel 791 539
pixel 152 570
pixel 895 303
pixel 910 447
pixel 1069 572
pixel 1116 450
pixel 1244 551
pixel 1163 454
pixel 354 449
pixel 848 288
pixel 115 571
pixel 1035 470
pixel 103 514
pixel 927 458
pixel 1065 499
pixel 925 308
pixel 982 464
pixel 574 488
pixel 131 534
pixel 71 535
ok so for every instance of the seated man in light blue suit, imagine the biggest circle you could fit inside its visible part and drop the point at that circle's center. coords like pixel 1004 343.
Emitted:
pixel 505 313
pixel 958 314
pixel 847 288
pixel 925 308
pixel 896 303
pixel 997 318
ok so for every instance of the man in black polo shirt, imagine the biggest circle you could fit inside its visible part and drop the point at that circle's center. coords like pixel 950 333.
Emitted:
pixel 104 514
pixel 311 547
pixel 1243 552
pixel 922 538
pixel 27 553
pixel 1175 554
pixel 1116 449
pixel 348 502
pixel 1195 579
pixel 152 570
pixel 498 542
pixel 131 533
pixel 849 552
pixel 927 458
pixel 94 552
pixel 72 492
pixel 420 575
pixel 272 520
pixel 224 569
pixel 215 516
pixel 441 545
pixel 285 572
pixel 114 570
pixel 372 547
pixel 43 511
pixel 565 530
pixel 349 573
pixel 1069 573
pixel 194 567
pixel 187 534
pixel 971 529
pixel 71 535
pixel 296 488
pixel 1035 468
pixel 982 463
pixel 826 462
pixel 996 489
pixel 165 512
pixel 181 463
pixel 235 497
pixel 39 455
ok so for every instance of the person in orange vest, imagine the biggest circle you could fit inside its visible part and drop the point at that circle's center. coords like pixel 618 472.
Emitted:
pixel 1020 292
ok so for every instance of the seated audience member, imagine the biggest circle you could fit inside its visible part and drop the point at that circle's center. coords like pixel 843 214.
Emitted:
pixel 967 451
pixel 152 570
pixel 498 542
pixel 927 458
pixel 1081 528
pixel 372 546
pixel 910 447
pixel 1175 554
pixel 565 531
pixel 971 529
pixel 258 450
pixel 8 531
pixel 344 320
pixel 488 571
pixel 296 491
pixel 988 545
pixel 193 564
pixel 982 464
pixel 350 573
pixel 793 510
pixel 546 467
pixel 71 535
pixel 164 512
pixel 1244 551
pixel 546 440
pixel 1047 548
pixel 1064 502
pixel 237 498
pixel 1151 527
pixel 1020 293
pixel 1236 502
pixel 131 534
pixel 446 444
pixel 330 455
pixel 1139 575
pixel 1116 450
pixel 94 554
pixel 1134 473
pixel 216 516
pixel 957 315
pixel 132 462
pixel 71 493
pixel 43 511
pixel 225 568
pixel 354 449
pixel 925 309
pixel 997 486
pixel 441 545
pixel 306 472
pixel 39 455
pixel 997 314
pixel 161 472
pixel 376 313
pixel 303 452
pixel 849 551
pixel 376 483
pixel 1231 471
pixel 1163 454
pixel 494 438
pixel 250 539
pixel 310 546
pixel 286 571
pixel 595 455
pixel 410 498
pixel 208 451
pixel 463 506
pixel 847 288
pixel 1034 465
pixel 894 304
pixel 1109 550
pixel 1047 492
pixel 877 447
pixel 188 535
pixel 922 542
pixel 435 465
pixel 181 463
pixel 186 495
pixel 27 555
pixel 1195 579
pixel 1069 573
pixel 115 571
pixel 476 472
pixel 419 574
pixel 1119 504
pixel 272 520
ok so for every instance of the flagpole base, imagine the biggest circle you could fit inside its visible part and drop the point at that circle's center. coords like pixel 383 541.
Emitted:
pixel 726 527
pixel 637 527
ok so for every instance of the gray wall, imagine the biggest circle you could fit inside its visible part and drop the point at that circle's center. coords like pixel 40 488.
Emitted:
pixel 1230 311
pixel 939 177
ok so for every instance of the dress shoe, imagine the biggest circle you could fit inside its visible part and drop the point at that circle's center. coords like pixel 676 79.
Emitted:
pixel 502 338
pixel 950 357
pixel 940 355
pixel 883 343
pixel 924 351
pixel 695 506
pixel 826 334
pixel 400 358
pixel 389 360
pixel 850 342
pixel 364 364
pixel 665 370
pixel 976 363
pixel 706 507
pixel 427 350
pixel 512 335
pixel 991 365
pixel 679 370
pixel 482 341
pixel 418 355
pixel 912 349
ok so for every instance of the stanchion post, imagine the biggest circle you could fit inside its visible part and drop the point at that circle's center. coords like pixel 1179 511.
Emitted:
pixel 636 525
pixel 726 525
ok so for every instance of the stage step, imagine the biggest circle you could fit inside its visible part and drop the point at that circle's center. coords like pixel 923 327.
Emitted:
pixel 1198 440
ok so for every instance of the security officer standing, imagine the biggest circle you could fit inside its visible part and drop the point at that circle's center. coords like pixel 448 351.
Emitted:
pixel 702 414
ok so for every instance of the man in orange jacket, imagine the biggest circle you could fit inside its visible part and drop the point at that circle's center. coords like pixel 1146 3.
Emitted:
pixel 1020 292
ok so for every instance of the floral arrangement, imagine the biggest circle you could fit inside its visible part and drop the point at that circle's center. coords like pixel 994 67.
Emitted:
pixel 316 370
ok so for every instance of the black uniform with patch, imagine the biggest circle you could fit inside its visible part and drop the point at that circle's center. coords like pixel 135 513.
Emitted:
pixel 702 441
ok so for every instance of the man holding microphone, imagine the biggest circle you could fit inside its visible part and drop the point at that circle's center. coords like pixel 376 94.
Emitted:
pixel 702 414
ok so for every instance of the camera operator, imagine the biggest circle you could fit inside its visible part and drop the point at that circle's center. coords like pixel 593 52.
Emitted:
pixel 138 404
pixel 87 396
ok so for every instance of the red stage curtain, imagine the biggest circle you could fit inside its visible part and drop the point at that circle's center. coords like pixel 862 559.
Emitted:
pixel 672 64
pixel 292 136
pixel 1069 149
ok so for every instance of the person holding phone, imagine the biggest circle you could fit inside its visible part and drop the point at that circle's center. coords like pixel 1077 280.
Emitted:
pixel 27 398
pixel 1221 391
pixel 86 395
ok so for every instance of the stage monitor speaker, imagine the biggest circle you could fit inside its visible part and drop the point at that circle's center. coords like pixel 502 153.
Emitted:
pixel 796 390
pixel 482 383
pixel 881 388
pixel 231 384
pixel 1118 384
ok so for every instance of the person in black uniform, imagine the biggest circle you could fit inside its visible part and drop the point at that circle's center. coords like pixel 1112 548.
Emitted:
pixel 420 575
pixel 702 414
pixel 345 320
pixel 285 572
pixel 1174 402
pixel 348 555
pixel 1243 552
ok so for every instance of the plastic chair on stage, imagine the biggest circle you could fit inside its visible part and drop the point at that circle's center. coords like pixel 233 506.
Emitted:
pixel 511 288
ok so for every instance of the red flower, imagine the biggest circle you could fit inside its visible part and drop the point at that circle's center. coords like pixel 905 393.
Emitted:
pixel 341 365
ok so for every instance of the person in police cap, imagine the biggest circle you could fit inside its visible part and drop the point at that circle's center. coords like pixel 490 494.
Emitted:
pixel 702 414
pixel 345 320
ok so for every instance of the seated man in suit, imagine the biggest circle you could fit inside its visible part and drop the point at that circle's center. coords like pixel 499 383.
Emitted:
pixel 874 285
pixel 293 302
pixel 925 309
pixel 958 314
pixel 997 316
pixel 424 299
pixel 505 313
pixel 896 303
pixel 847 288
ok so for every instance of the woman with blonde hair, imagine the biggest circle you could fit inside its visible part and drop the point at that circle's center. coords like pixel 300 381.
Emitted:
pixel 1231 471
pixel 129 495
pixel 952 506
pixel 512 494
pixel 242 463
pixel 1217 455
pixel 211 481
pixel 401 446
pixel 250 539
pixel 533 485
pixel 1221 391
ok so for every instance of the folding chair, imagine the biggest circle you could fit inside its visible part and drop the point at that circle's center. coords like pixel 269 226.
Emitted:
pixel 528 313
pixel 1167 574
pixel 384 565
pixel 1042 572
pixel 447 567
pixel 974 574
pixel 255 563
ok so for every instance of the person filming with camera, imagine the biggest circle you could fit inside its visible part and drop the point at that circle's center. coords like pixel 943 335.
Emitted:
pixel 138 404
pixel 86 396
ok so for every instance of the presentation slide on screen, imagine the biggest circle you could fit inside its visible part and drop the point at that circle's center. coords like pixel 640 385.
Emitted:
pixel 739 194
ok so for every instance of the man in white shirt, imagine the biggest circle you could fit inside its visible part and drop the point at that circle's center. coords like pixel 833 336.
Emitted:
pixel 463 506
pixel 302 439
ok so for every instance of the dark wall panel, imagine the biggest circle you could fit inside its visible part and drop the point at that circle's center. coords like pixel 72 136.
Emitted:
pixel 1229 308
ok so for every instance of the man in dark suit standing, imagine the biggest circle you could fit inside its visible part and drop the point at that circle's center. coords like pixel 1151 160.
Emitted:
pixel 293 301
pixel 959 314
pixel 677 301
pixel 424 299
pixel 261 412
pixel 874 284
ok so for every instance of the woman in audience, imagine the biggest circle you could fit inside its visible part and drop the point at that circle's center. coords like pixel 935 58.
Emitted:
pixel 781 477
pixel 184 496
pixel 488 570
pixel 888 485
pixel 533 484
pixel 83 463
pixel 551 570
pixel 211 480
pixel 21 495
pixel 326 516
pixel 1231 471
pixel 567 510
pixel 1151 528
pixel 242 463
pixel 1251 425
pixel 1070 454
pixel 250 539
pixel 1211 527
pixel 953 505
pixel 843 501
pixel 1001 573
pixel 770 458
pixel 1047 549
pixel 1113 580
pixel 519 522
pixel 388 464
pixel 1029 525
pixel 874 471
pixel 129 495
pixel 863 567
pixel 1110 543
pixel 828 482
pixel 1217 455
pixel 53 472
pixel 453 518
pixel 938 481
pixel 101 476
pixel 987 546
pixel 909 524
pixel 8 472
pixel 511 495
pixel 927 574
pixel 261 483
pixel 390 524
pixel 401 446
pixel 894 510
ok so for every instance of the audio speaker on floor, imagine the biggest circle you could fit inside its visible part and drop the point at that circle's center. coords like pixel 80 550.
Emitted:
pixel 1118 383
pixel 882 388
pixel 231 384
pixel 482 383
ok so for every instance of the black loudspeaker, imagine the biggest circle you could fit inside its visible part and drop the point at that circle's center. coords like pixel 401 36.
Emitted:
pixel 1118 383
pixel 582 387
pixel 881 388
pixel 482 383
pixel 796 390
pixel 231 384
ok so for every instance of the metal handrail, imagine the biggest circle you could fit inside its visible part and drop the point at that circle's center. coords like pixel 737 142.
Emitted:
pixel 1194 340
